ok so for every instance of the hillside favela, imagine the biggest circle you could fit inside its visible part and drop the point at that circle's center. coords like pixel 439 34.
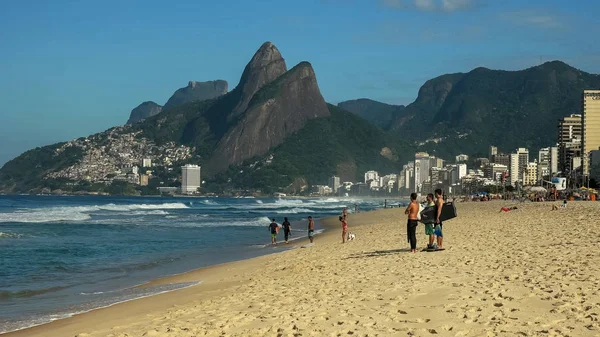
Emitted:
pixel 326 168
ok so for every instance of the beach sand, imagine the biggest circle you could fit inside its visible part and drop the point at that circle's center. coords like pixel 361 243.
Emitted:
pixel 529 272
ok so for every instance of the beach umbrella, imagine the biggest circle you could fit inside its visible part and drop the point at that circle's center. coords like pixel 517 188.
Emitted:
pixel 538 189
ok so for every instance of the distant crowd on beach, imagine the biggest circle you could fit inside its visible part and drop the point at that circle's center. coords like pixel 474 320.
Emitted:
pixel 274 228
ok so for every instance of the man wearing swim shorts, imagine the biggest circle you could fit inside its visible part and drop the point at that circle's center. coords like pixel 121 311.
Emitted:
pixel 429 227
pixel 411 225
pixel 287 229
pixel 273 227
pixel 437 230
pixel 311 229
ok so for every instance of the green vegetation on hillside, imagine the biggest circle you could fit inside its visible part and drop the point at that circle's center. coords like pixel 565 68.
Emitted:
pixel 27 170
pixel 321 149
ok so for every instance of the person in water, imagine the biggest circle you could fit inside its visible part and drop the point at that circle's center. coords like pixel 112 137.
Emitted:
pixel 411 225
pixel 287 229
pixel 344 228
pixel 273 227
pixel 429 226
pixel 311 229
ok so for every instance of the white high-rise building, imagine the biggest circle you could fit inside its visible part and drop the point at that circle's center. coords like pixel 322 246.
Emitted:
pixel 590 126
pixel 421 170
pixel 553 167
pixel 514 168
pixel 334 183
pixel 146 162
pixel 371 175
pixel 190 179
pixel 544 156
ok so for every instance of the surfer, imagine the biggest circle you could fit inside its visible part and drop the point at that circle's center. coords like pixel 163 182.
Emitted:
pixel 311 229
pixel 437 230
pixel 273 227
pixel 411 225
pixel 429 226
pixel 287 229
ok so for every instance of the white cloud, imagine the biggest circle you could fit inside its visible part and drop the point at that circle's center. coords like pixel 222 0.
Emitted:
pixel 425 5
pixel 533 18
pixel 430 5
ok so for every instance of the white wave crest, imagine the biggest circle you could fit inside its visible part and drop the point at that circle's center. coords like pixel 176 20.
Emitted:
pixel 83 213
pixel 294 211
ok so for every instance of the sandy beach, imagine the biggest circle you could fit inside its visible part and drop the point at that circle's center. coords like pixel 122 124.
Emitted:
pixel 528 272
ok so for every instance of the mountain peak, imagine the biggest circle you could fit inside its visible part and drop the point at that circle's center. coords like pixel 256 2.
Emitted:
pixel 143 111
pixel 197 91
pixel 266 65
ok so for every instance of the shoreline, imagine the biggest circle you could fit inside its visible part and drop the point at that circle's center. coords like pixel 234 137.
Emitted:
pixel 189 276
pixel 520 268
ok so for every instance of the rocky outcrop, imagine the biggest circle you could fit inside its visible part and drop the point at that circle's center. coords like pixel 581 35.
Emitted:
pixel 197 91
pixel 143 111
pixel 276 111
pixel 266 65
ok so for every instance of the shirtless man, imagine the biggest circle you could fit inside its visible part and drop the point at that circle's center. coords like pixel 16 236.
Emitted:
pixel 439 203
pixel 311 229
pixel 411 225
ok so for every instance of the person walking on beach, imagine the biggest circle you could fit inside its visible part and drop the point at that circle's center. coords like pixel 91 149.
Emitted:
pixel 437 230
pixel 411 225
pixel 273 227
pixel 355 208
pixel 429 226
pixel 345 212
pixel 344 228
pixel 311 229
pixel 287 229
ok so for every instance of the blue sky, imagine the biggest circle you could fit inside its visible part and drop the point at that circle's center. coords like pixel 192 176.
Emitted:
pixel 72 68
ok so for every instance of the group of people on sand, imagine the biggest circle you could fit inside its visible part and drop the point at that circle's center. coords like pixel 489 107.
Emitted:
pixel 433 230
pixel 287 230
pixel 274 228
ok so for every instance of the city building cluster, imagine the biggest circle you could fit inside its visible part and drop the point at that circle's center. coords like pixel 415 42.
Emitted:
pixel 570 161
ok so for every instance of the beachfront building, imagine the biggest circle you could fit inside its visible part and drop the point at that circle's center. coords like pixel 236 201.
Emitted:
pixel 493 151
pixel 334 183
pixel 146 162
pixel 530 175
pixel 501 158
pixel 190 179
pixel 548 160
pixel 371 175
pixel 494 171
pixel 421 170
pixel 569 141
pixel 436 162
pixel 462 158
pixel 406 179
pixel 590 126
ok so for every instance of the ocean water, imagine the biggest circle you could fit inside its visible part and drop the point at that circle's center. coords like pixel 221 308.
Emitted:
pixel 62 255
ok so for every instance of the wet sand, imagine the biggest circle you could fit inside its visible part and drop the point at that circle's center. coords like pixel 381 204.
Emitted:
pixel 528 272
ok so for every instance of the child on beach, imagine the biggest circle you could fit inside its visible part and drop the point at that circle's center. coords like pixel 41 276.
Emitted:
pixel 344 228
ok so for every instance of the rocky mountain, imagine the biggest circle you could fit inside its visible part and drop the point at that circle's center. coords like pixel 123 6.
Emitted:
pixel 272 113
pixel 197 91
pixel 380 114
pixel 467 112
pixel 143 111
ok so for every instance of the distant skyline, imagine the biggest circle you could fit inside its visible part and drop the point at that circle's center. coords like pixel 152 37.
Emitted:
pixel 69 69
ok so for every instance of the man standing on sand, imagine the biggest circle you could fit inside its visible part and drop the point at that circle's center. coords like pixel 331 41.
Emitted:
pixel 439 203
pixel 287 229
pixel 273 227
pixel 429 226
pixel 311 229
pixel 411 225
